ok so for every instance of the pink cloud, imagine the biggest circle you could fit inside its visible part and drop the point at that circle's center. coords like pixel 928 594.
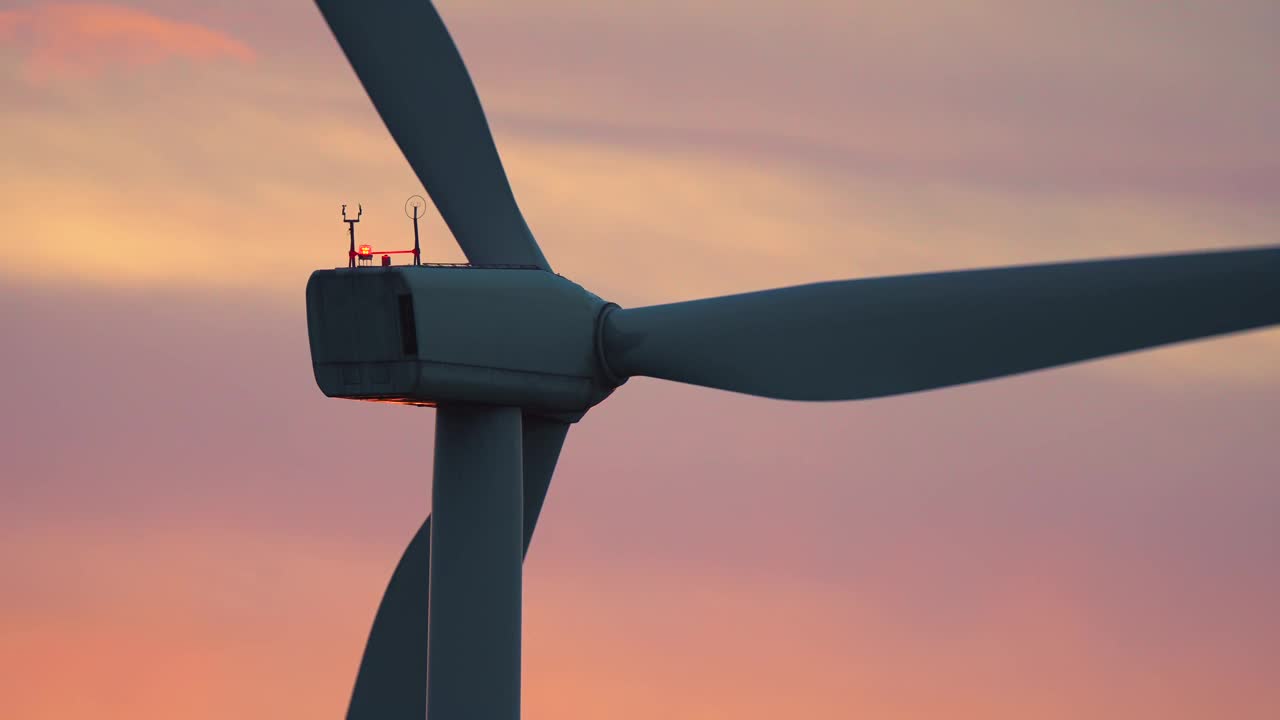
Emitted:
pixel 82 40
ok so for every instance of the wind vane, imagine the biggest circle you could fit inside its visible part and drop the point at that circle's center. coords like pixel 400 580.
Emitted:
pixel 351 227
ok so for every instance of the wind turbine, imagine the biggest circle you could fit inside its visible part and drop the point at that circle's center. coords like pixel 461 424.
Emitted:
pixel 511 354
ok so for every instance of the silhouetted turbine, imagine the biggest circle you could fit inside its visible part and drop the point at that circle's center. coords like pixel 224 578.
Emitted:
pixel 511 357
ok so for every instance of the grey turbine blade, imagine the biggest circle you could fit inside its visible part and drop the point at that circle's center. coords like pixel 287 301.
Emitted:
pixel 543 438
pixel 415 77
pixel 869 338
pixel 392 680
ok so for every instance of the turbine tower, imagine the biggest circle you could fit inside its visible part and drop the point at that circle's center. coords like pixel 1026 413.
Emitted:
pixel 511 355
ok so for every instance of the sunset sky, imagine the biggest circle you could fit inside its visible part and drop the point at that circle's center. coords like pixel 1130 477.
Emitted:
pixel 189 529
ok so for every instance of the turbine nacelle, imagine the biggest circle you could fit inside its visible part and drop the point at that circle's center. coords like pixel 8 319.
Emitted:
pixel 425 335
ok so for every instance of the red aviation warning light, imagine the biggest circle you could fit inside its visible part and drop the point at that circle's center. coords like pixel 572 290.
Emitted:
pixel 365 252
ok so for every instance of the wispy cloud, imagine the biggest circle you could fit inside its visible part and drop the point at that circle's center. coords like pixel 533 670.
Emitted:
pixel 82 40
pixel 230 183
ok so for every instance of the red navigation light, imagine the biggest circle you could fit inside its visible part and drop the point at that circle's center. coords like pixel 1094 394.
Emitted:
pixel 365 251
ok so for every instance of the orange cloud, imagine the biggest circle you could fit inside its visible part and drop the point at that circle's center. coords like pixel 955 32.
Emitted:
pixel 79 40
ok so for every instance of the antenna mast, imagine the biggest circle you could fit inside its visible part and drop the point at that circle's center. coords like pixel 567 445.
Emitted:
pixel 413 208
pixel 351 227
pixel 416 250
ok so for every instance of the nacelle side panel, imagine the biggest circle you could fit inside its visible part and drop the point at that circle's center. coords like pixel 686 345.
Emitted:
pixel 423 335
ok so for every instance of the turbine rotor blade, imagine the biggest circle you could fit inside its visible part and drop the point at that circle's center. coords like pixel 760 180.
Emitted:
pixel 392 680
pixel 411 69
pixel 542 440
pixel 869 338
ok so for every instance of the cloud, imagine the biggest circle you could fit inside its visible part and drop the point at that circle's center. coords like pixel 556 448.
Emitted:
pixel 82 40
pixel 231 183
pixel 1014 95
